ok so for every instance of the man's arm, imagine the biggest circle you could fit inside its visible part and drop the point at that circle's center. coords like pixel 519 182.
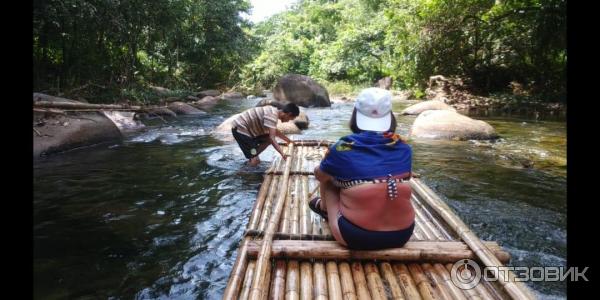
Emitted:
pixel 272 134
pixel 282 136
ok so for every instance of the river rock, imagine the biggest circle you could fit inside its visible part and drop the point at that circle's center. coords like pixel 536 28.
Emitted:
pixel 159 90
pixel 235 96
pixel 56 133
pixel 301 121
pixel 301 90
pixel 160 111
pixel 427 105
pixel 206 103
pixel 124 120
pixel 181 108
pixel 272 102
pixel 213 93
pixel 288 127
pixel 223 131
pixel 449 125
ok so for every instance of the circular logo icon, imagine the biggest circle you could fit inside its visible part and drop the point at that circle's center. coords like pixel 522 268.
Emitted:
pixel 465 274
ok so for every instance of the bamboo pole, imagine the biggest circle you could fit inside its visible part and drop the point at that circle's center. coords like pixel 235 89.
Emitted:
pixel 496 290
pixel 483 291
pixel 268 205
pixel 284 223
pixel 444 276
pixel 516 289
pixel 360 281
pixel 417 232
pixel 260 201
pixel 374 282
pixel 265 284
pixel 438 251
pixel 426 290
pixel 442 227
pixel 237 272
pixel 427 234
pixel 310 143
pixel 408 285
pixel 334 286
pixel 471 294
pixel 388 274
pixel 290 236
pixel 320 280
pixel 348 291
pixel 294 211
pixel 292 281
pixel 278 283
pixel 305 224
pixel 247 281
pixel 438 282
pixel 306 281
pixel 427 223
pixel 264 256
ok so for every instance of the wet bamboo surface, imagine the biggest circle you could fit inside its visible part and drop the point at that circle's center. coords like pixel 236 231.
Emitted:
pixel 302 260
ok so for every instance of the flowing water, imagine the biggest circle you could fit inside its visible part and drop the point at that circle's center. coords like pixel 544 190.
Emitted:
pixel 160 215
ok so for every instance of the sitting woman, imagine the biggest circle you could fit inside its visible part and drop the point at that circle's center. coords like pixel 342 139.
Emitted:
pixel 363 179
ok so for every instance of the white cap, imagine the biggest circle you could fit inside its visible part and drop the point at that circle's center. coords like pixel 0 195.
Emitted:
pixel 374 109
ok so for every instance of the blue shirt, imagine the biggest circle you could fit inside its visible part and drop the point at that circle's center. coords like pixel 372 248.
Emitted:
pixel 367 155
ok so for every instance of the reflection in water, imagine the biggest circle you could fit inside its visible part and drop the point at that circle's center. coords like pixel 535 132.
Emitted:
pixel 161 215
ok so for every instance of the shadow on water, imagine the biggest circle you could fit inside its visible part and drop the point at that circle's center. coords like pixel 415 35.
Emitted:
pixel 161 214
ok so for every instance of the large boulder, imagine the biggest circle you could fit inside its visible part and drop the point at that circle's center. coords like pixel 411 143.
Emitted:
pixel 450 125
pixel 301 90
pixel 181 108
pixel 301 121
pixel 213 93
pixel 57 132
pixel 206 103
pixel 427 105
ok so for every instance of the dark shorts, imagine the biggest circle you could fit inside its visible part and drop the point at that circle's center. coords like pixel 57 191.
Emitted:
pixel 249 145
pixel 358 238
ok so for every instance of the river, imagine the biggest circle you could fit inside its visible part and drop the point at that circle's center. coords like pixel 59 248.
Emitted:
pixel 160 215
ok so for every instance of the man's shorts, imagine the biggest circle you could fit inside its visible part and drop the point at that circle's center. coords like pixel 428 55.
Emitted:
pixel 249 145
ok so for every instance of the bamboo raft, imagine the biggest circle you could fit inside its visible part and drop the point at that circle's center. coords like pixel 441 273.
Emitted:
pixel 288 252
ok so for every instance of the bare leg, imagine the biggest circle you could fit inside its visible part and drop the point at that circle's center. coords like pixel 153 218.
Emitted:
pixel 330 202
pixel 256 160
pixel 262 148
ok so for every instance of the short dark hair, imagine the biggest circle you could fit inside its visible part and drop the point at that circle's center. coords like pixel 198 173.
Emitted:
pixel 291 108
pixel 355 128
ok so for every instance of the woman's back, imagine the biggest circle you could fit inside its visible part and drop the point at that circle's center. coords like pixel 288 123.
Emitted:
pixel 369 206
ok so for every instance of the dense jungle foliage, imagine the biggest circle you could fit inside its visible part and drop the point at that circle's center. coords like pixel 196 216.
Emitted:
pixel 119 48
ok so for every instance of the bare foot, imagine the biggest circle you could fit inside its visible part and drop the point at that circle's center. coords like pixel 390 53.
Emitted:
pixel 254 161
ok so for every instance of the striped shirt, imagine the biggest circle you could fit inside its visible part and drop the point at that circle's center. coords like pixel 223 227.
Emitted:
pixel 257 121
